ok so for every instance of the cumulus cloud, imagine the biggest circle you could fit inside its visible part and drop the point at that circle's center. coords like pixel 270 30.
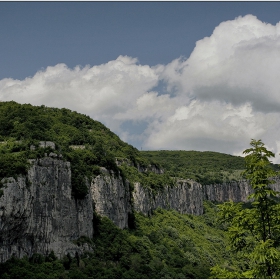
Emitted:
pixel 234 71
pixel 150 106
pixel 211 126
pixel 224 94
pixel 100 91
pixel 239 62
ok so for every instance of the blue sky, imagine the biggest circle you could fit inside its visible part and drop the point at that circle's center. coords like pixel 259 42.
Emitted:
pixel 162 75
pixel 35 35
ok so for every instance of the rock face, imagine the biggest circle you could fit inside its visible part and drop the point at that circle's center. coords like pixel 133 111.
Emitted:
pixel 185 197
pixel 150 168
pixel 111 197
pixel 235 191
pixel 39 215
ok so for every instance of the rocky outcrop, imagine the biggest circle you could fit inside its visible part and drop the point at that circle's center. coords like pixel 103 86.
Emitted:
pixel 149 168
pixel 45 144
pixel 38 214
pixel 141 168
pixel 232 191
pixel 111 197
pixel 185 197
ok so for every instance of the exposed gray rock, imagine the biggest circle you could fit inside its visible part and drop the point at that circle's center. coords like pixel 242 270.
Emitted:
pixel 120 161
pixel 54 155
pixel 232 191
pixel 185 197
pixel 45 144
pixel 150 168
pixel 38 214
pixel 141 168
pixel 111 197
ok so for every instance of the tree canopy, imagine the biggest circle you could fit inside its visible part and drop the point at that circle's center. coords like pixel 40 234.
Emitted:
pixel 254 233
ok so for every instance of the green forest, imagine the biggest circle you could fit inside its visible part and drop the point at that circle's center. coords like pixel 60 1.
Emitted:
pixel 165 245
pixel 228 241
pixel 203 167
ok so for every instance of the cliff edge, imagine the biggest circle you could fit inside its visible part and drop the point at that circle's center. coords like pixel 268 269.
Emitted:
pixel 38 213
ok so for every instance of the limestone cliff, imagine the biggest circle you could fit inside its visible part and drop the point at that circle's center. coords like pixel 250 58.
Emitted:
pixel 38 214
pixel 140 168
pixel 234 191
pixel 185 197
pixel 111 197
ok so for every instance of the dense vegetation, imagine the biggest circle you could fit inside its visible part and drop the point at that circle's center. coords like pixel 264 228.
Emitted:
pixel 165 245
pixel 254 233
pixel 203 167
pixel 86 143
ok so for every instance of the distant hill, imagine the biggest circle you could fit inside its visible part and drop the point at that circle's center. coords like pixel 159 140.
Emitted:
pixel 86 143
pixel 204 167
pixel 62 126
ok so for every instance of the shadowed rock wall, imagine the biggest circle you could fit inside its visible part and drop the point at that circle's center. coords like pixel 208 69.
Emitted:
pixel 234 191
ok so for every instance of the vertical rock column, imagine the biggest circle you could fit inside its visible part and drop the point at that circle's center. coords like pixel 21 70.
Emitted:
pixel 111 197
pixel 38 213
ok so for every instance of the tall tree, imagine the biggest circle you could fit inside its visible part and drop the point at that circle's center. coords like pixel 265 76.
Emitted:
pixel 254 232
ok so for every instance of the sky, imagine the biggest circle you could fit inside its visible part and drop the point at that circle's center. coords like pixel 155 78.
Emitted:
pixel 161 75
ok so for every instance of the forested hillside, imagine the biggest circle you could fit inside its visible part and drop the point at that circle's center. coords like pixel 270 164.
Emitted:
pixel 165 244
pixel 86 143
pixel 204 167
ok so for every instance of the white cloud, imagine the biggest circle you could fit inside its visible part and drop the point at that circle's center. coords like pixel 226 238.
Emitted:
pixel 239 62
pixel 211 126
pixel 234 77
pixel 100 91
pixel 224 94
pixel 150 106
